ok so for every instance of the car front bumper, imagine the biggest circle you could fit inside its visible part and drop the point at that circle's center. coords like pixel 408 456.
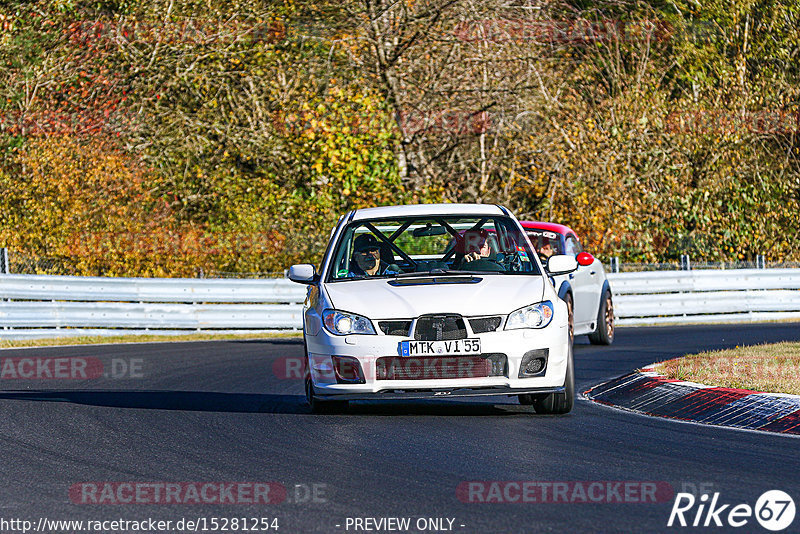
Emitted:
pixel 367 349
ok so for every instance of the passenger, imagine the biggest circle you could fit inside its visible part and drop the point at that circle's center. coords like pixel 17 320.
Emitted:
pixel 545 251
pixel 366 258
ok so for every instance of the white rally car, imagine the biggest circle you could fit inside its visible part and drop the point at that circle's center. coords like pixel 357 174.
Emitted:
pixel 586 291
pixel 435 300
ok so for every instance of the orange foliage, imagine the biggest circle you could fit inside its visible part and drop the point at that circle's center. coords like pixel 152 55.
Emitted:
pixel 89 204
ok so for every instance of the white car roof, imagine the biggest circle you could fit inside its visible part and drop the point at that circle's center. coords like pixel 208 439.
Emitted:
pixel 426 209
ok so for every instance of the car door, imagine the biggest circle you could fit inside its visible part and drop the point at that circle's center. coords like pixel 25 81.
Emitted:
pixel 584 287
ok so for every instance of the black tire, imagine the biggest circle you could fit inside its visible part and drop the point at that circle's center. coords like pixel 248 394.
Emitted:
pixel 604 333
pixel 571 314
pixel 317 405
pixel 555 403
pixel 323 406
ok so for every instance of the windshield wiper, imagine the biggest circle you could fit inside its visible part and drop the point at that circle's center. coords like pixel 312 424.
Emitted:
pixel 352 277
pixel 439 272
pixel 433 272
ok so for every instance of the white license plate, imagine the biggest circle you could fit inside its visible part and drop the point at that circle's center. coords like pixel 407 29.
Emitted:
pixel 437 348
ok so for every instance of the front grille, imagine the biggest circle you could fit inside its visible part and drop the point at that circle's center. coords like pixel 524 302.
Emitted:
pixel 395 328
pixel 440 328
pixel 441 367
pixel 480 325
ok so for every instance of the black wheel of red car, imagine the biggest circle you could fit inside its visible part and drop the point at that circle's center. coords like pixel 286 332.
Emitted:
pixel 555 403
pixel 604 334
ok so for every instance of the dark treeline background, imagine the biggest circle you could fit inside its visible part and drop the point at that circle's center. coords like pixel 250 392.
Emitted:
pixel 164 137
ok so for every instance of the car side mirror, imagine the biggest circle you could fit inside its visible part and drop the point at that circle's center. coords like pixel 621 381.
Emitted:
pixel 303 273
pixel 561 264
pixel 585 259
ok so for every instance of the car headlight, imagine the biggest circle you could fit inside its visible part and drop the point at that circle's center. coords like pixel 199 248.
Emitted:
pixel 536 315
pixel 342 323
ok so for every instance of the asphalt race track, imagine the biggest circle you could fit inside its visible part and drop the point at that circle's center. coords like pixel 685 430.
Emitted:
pixel 221 411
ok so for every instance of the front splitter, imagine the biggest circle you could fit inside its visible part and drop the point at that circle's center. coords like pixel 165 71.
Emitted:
pixel 399 394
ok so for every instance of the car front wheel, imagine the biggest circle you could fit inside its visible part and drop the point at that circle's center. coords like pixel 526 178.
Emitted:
pixel 604 335
pixel 554 403
pixel 571 315
pixel 320 406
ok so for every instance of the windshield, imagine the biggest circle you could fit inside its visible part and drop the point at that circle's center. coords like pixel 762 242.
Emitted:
pixel 431 245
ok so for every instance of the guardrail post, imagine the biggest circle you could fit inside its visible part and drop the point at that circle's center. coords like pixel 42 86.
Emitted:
pixel 760 263
pixel 686 264
pixel 4 269
pixel 615 264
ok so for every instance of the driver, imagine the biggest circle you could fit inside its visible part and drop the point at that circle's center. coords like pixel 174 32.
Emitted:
pixel 367 258
pixel 476 245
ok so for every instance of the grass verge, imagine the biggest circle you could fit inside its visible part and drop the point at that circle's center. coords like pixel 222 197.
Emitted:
pixel 772 368
pixel 139 338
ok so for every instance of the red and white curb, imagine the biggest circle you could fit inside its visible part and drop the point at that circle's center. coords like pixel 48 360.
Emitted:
pixel 650 393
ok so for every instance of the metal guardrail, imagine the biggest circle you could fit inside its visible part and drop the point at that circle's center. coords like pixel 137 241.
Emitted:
pixel 685 263
pixel 59 314
pixel 45 306
pixel 658 297
pixel 192 290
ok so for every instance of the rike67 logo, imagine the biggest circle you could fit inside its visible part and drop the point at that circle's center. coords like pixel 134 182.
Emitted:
pixel 774 510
